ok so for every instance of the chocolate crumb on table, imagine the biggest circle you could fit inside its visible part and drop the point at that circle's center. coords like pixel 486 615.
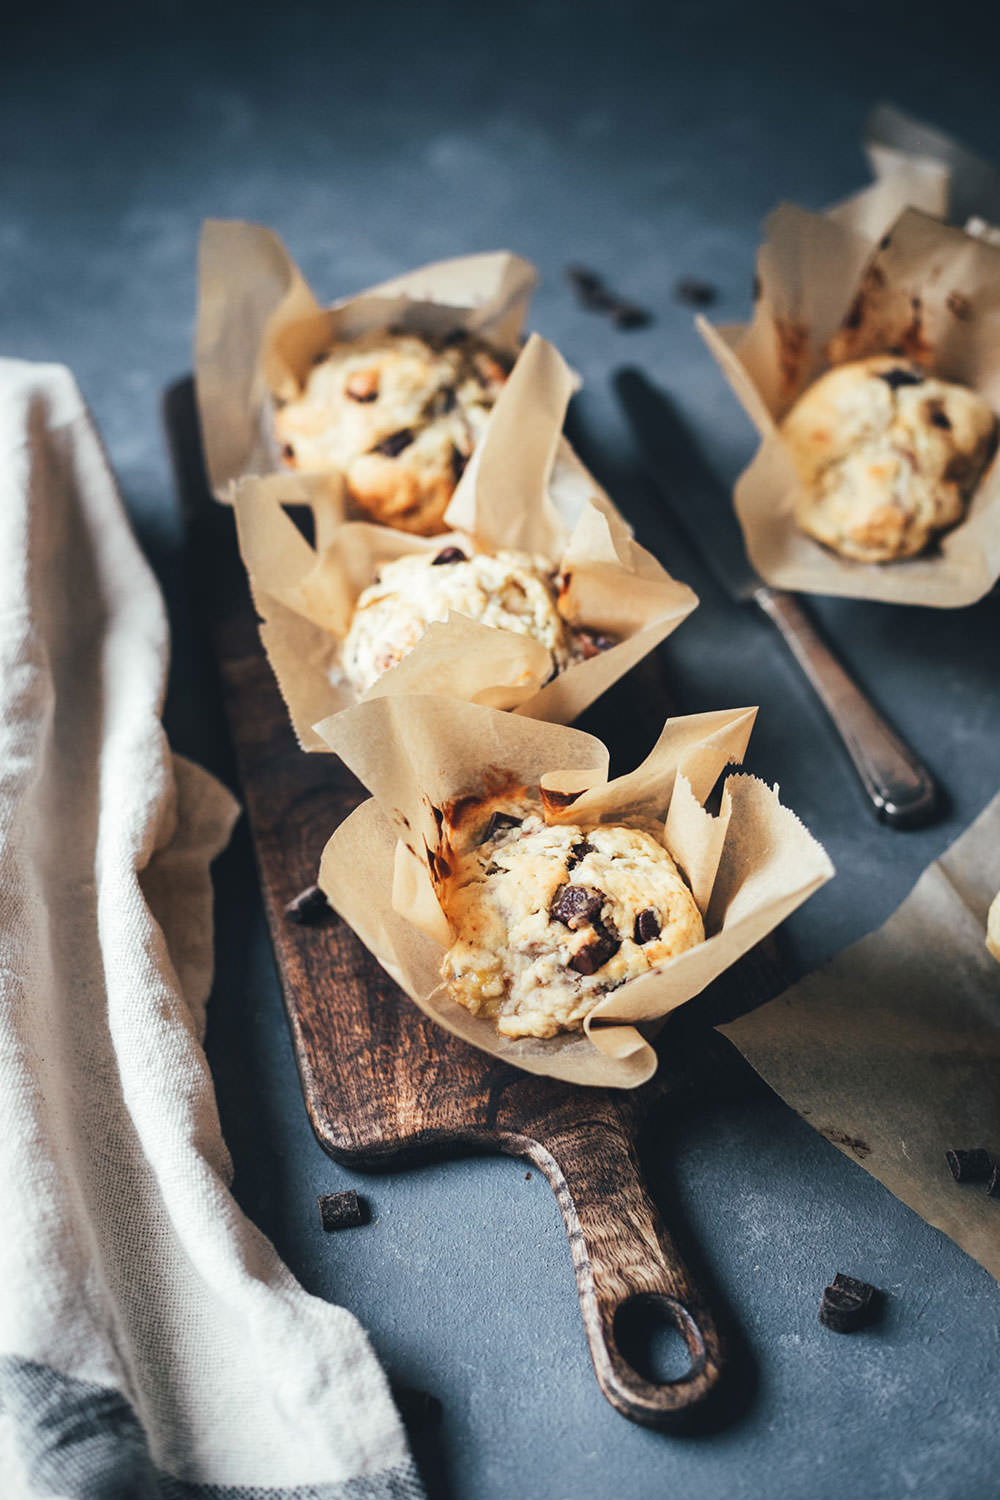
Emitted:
pixel 696 293
pixel 342 1210
pixel 970 1166
pixel 308 906
pixel 847 1304
pixel 595 295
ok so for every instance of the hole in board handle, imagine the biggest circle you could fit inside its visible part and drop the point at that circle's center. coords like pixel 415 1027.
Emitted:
pixel 659 1339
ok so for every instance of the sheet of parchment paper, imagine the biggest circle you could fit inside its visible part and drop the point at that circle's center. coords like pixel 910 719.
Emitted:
pixel 259 327
pixel 524 488
pixel 749 866
pixel 892 1051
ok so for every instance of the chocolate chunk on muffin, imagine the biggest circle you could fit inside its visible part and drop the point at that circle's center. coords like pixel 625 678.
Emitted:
pixel 888 457
pixel 399 416
pixel 548 919
pixel 506 590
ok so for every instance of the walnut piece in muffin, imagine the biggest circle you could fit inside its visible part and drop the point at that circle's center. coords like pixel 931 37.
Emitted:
pixel 548 919
pixel 506 590
pixel 888 456
pixel 399 415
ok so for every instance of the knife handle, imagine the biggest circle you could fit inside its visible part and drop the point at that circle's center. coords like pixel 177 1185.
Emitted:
pixel 899 786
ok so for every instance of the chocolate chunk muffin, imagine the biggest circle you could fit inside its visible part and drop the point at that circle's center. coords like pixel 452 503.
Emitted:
pixel 506 590
pixel 549 919
pixel 399 416
pixel 888 457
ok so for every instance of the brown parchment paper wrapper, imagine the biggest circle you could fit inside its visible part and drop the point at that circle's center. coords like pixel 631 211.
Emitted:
pixel 524 488
pixel 926 291
pixel 259 326
pixel 748 867
pixel 892 1051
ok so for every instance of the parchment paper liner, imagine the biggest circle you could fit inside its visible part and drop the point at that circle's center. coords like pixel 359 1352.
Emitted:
pixel 927 291
pixel 892 1051
pixel 749 867
pixel 259 326
pixel 809 273
pixel 524 488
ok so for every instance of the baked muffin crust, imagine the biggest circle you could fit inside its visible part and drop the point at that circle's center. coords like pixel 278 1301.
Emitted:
pixel 399 416
pixel 888 456
pixel 549 918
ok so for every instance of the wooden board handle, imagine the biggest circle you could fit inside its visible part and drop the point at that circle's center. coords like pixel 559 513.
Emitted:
pixel 625 1258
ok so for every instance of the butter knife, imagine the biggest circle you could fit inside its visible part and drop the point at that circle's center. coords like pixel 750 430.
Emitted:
pixel 899 787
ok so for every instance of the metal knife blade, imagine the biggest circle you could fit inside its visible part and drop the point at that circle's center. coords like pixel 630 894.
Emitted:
pixel 696 497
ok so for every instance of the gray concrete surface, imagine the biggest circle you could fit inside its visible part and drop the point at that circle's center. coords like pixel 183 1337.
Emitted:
pixel 648 141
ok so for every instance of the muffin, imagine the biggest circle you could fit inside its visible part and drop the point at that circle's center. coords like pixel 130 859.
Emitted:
pixel 549 918
pixel 888 456
pixel 506 590
pixel 399 416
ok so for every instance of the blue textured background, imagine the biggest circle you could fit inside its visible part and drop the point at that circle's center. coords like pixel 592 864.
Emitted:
pixel 648 141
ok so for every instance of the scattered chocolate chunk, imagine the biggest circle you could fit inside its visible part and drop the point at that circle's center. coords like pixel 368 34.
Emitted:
pixel 885 242
pixel 342 1210
pixel 593 642
pixel 895 378
pixel 647 926
pixel 590 289
pixel 308 906
pixel 847 1304
pixel 449 555
pixel 417 1408
pixel 993 1186
pixel 456 336
pixel 363 386
pixel 527 1176
pixel 394 444
pixel 498 822
pixel 596 954
pixel 442 402
pixel 577 853
pixel 696 293
pixel 628 315
pixel 970 1166
pixel 939 418
pixel 288 452
pixel 959 306
pixel 576 905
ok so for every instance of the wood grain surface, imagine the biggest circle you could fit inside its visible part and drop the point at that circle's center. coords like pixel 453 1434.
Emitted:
pixel 383 1085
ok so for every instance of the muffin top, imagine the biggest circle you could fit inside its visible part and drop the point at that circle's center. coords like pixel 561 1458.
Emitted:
pixel 398 415
pixel 506 590
pixel 887 456
pixel 549 918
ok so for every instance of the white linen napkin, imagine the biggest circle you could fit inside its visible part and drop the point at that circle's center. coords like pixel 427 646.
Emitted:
pixel 152 1344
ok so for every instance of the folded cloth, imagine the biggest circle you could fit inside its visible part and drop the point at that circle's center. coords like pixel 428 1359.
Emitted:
pixel 152 1344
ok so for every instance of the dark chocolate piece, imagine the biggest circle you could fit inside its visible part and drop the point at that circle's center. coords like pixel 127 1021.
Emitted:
pixel 498 822
pixel 993 1186
pixel 577 853
pixel 895 378
pixel 847 1304
pixel 970 1166
pixel 596 954
pixel 449 555
pixel 393 445
pixel 576 905
pixel 647 926
pixel 939 418
pixel 627 315
pixel 308 906
pixel 288 452
pixel 696 293
pixel 341 1210
pixel 590 289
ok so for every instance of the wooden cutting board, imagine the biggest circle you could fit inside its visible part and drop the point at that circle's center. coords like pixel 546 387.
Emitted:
pixel 384 1086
